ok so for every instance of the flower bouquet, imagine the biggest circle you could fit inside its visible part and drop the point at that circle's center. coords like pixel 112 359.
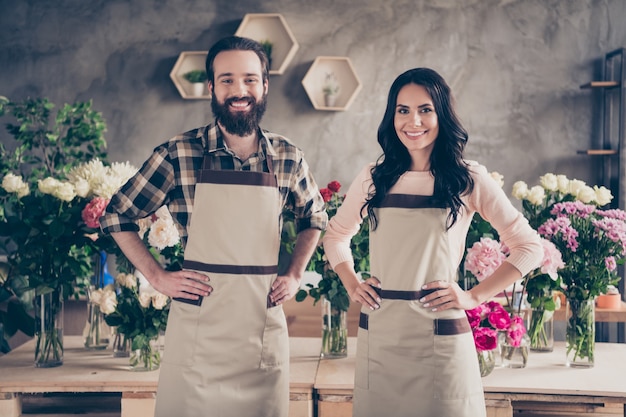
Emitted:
pixel 592 242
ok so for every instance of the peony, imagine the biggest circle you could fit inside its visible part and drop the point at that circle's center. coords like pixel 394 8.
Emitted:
pixel 603 195
pixel 536 195
pixel 93 211
pixel 586 194
pixel 145 299
pixel 163 233
pixel 126 280
pixel 48 185
pixel 485 338
pixel 15 184
pixel 159 301
pixel 552 259
pixel 549 182
pixel 520 190
pixel 108 301
pixel 64 191
pixel 484 257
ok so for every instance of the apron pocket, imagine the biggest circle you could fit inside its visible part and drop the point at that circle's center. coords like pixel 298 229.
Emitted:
pixel 275 350
pixel 456 367
pixel 361 374
pixel 181 333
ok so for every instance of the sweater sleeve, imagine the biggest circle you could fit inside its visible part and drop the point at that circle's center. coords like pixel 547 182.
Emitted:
pixel 347 221
pixel 491 202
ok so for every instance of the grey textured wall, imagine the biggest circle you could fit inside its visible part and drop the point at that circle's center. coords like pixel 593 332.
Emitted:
pixel 515 67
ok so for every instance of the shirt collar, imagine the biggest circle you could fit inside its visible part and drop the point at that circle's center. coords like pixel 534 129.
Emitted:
pixel 214 141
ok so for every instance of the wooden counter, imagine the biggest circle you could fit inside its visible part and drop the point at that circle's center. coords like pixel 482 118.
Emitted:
pixel 546 387
pixel 607 315
pixel 89 371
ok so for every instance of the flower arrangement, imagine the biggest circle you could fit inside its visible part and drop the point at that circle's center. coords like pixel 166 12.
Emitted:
pixel 330 285
pixel 538 200
pixel 592 242
pixel 138 312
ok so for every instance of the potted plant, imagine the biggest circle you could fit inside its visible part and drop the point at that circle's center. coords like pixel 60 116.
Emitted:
pixel 331 89
pixel 267 47
pixel 198 79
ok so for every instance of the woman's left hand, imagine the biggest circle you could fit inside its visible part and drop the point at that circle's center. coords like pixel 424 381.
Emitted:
pixel 446 295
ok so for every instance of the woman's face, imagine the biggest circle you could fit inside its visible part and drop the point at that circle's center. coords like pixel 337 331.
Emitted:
pixel 416 122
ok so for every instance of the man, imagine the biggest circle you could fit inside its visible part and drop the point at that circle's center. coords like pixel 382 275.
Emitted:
pixel 227 348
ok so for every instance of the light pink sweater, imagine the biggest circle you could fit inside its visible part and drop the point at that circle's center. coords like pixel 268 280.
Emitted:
pixel 487 198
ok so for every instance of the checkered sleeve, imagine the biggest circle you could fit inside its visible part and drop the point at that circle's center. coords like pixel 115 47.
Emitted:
pixel 308 204
pixel 142 195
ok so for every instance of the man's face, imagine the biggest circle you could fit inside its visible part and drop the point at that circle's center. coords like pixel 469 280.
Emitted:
pixel 239 92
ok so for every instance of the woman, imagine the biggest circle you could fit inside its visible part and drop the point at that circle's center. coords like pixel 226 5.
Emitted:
pixel 415 351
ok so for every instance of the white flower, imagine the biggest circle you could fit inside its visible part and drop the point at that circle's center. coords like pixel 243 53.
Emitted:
pixel 575 186
pixel 145 299
pixel 163 234
pixel 126 280
pixel 586 194
pixel 93 172
pixel 562 184
pixel 82 188
pixel 123 171
pixel 163 213
pixel 95 296
pixel 48 185
pixel 65 191
pixel 108 303
pixel 549 182
pixel 15 184
pixel 603 195
pixel 144 224
pixel 520 190
pixel 499 178
pixel 536 195
pixel 159 301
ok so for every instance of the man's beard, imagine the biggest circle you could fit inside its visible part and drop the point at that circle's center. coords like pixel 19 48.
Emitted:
pixel 239 123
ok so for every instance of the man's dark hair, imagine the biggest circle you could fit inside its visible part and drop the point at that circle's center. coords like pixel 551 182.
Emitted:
pixel 236 43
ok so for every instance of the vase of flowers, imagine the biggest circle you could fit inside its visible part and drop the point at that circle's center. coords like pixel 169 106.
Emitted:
pixel 485 322
pixel 95 334
pixel 329 288
pixel 486 361
pixel 592 242
pixel 121 344
pixel 49 329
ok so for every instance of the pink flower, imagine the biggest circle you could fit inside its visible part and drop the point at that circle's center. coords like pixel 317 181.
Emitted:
pixel 516 331
pixel 499 318
pixel 93 211
pixel 484 257
pixel 485 338
pixel 552 259
pixel 610 263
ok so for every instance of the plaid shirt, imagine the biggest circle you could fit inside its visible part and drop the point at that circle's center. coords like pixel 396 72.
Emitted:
pixel 169 177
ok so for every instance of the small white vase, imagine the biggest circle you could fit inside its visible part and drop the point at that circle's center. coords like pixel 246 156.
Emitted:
pixel 198 89
pixel 330 100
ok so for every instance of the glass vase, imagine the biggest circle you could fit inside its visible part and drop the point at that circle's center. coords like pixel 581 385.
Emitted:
pixel 145 354
pixel 580 333
pixel 540 327
pixel 95 334
pixel 513 355
pixel 334 331
pixel 486 361
pixel 49 329
pixel 121 345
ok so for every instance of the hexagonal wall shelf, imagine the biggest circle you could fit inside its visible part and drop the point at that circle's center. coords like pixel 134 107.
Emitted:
pixel 337 70
pixel 187 61
pixel 271 27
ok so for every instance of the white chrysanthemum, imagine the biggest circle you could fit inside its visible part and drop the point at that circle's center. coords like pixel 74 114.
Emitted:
pixel 93 172
pixel 145 299
pixel 520 190
pixel 549 182
pixel 159 301
pixel 126 280
pixel 65 191
pixel 536 195
pixel 108 186
pixel 108 303
pixel 163 234
pixel 603 195
pixel 586 194
pixel 48 185
pixel 122 170
pixel 82 187
pixel 575 186
pixel 562 184
pixel 498 177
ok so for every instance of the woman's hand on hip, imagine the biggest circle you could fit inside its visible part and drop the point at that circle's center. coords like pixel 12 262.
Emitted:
pixel 446 295
pixel 364 293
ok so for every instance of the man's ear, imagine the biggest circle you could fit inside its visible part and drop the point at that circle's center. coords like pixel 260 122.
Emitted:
pixel 266 85
pixel 210 85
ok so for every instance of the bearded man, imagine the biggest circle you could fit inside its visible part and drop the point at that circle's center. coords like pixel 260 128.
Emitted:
pixel 226 184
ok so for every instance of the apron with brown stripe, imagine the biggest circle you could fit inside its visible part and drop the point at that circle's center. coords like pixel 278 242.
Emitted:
pixel 229 355
pixel 412 361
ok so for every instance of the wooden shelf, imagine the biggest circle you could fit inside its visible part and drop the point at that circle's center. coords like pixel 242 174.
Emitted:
pixel 600 84
pixel 271 27
pixel 597 152
pixel 187 61
pixel 341 67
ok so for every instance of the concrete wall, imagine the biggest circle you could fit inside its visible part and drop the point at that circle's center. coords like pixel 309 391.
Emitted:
pixel 515 67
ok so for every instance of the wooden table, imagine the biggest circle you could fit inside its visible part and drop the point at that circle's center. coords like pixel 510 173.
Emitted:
pixel 605 315
pixel 90 371
pixel 544 386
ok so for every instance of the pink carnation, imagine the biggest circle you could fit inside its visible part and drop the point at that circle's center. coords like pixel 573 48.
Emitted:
pixel 93 211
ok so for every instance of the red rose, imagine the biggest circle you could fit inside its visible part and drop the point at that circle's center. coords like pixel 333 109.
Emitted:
pixel 334 186
pixel 326 194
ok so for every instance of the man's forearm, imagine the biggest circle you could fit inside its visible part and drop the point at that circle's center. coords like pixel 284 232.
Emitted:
pixel 306 243
pixel 137 253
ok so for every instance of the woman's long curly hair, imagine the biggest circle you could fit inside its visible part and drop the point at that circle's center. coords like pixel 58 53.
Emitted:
pixel 451 173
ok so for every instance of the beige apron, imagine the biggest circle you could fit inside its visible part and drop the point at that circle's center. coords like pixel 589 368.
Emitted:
pixel 412 361
pixel 229 356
